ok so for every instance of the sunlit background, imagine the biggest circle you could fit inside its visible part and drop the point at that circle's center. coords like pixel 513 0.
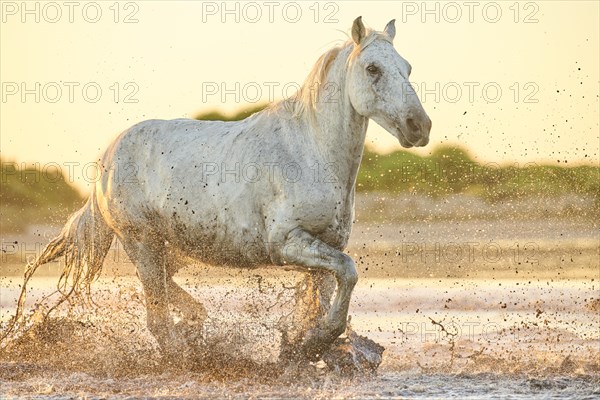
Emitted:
pixel 491 231
pixel 510 82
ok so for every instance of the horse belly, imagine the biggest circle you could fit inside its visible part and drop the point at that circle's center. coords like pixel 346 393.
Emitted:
pixel 221 242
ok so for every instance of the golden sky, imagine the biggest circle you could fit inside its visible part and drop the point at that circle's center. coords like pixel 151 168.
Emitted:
pixel 512 82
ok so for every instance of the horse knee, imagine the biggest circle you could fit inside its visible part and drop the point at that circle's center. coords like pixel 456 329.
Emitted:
pixel 348 275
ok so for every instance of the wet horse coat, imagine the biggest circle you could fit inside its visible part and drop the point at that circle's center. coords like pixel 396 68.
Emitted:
pixel 274 189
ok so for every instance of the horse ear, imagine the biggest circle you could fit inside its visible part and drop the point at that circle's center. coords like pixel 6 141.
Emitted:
pixel 390 29
pixel 358 30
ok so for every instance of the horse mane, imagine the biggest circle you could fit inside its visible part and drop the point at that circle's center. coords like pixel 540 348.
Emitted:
pixel 303 103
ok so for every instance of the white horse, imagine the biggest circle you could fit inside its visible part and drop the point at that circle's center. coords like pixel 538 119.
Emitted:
pixel 274 189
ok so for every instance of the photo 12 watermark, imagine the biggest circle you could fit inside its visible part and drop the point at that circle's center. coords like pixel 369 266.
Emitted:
pixel 69 92
pixel 470 252
pixel 453 12
pixel 253 12
pixel 472 92
pixel 256 92
pixel 54 12
pixel 203 172
pixel 461 331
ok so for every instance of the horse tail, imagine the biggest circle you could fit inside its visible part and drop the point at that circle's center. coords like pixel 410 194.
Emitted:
pixel 83 242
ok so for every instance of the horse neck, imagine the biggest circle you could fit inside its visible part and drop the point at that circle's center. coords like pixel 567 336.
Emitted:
pixel 339 130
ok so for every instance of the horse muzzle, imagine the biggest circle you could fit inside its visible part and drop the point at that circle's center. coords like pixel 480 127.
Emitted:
pixel 415 130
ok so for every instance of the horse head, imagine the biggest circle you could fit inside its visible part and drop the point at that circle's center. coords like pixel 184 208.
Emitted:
pixel 379 89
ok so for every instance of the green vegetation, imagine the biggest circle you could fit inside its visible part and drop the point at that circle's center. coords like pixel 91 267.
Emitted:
pixel 33 196
pixel 242 113
pixel 450 170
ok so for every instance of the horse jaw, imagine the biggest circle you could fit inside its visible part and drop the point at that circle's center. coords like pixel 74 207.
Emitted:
pixel 395 130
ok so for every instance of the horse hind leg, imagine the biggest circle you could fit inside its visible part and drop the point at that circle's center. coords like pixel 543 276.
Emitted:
pixel 192 310
pixel 150 264
pixel 190 328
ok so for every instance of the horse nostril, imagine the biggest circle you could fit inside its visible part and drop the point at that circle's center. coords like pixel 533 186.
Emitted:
pixel 412 124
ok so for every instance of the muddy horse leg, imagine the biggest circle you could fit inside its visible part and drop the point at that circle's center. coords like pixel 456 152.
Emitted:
pixel 192 309
pixel 303 249
pixel 150 264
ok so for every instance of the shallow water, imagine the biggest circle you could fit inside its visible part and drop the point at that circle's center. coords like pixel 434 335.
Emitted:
pixel 444 338
pixel 385 385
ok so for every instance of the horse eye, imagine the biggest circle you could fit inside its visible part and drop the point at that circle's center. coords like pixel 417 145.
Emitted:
pixel 372 69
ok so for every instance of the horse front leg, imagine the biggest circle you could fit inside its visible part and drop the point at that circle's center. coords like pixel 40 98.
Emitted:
pixel 312 302
pixel 303 249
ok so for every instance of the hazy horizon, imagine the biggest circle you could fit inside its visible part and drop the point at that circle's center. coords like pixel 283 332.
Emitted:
pixel 538 63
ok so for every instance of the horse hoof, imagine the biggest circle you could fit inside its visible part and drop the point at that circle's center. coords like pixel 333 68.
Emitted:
pixel 353 354
pixel 315 343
